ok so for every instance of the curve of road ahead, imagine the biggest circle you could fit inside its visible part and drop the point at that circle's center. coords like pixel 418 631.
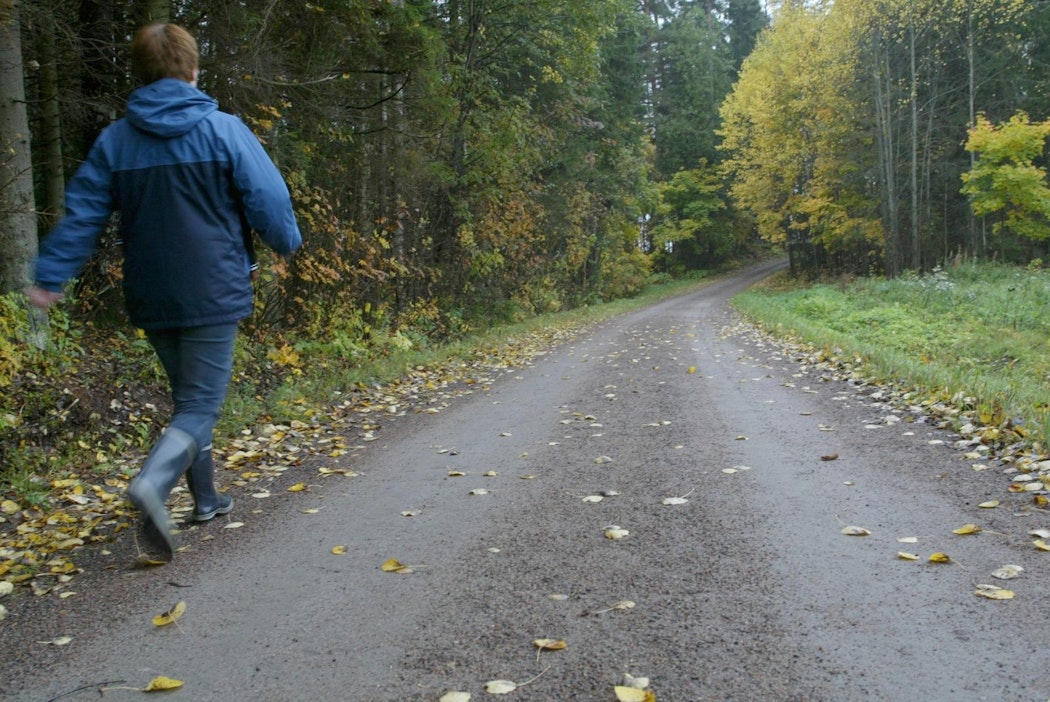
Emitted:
pixel 746 589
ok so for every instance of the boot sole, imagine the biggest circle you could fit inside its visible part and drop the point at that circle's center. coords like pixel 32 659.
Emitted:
pixel 154 523
pixel 208 516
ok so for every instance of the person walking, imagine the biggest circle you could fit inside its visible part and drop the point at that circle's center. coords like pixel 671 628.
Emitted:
pixel 191 184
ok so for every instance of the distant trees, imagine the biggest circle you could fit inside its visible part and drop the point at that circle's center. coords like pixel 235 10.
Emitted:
pixel 845 133
pixel 470 157
pixel 693 58
pixel 448 160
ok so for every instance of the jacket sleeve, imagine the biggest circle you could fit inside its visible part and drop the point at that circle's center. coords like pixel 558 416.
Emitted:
pixel 89 203
pixel 267 203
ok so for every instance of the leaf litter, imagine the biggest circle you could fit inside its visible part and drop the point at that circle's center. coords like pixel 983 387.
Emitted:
pixel 86 506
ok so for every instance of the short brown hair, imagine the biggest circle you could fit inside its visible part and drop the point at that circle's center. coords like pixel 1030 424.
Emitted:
pixel 163 50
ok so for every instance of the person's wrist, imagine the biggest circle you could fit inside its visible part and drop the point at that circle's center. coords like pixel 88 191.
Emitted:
pixel 42 297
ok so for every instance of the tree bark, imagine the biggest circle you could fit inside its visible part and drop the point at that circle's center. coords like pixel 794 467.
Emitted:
pixel 971 220
pixel 884 136
pixel 18 242
pixel 915 249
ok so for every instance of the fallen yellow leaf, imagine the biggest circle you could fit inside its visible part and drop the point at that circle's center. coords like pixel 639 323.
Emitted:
pixel 904 556
pixel 298 487
pixel 146 561
pixel 1041 545
pixel 990 504
pixel 633 694
pixel 162 683
pixel 395 566
pixel 993 592
pixel 455 696
pixel 614 532
pixel 171 616
pixel 549 644
pixel 500 687
pixel 939 558
pixel 855 531
pixel 967 529
pixel 339 550
pixel 60 641
pixel 1007 572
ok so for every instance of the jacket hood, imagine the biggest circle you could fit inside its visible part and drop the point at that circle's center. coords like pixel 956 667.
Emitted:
pixel 168 108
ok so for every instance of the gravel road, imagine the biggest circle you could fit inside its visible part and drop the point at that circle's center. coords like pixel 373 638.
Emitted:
pixel 745 589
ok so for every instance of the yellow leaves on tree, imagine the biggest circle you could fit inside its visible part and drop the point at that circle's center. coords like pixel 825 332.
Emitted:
pixel 1005 180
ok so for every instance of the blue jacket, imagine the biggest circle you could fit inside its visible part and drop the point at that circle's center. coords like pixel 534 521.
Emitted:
pixel 190 183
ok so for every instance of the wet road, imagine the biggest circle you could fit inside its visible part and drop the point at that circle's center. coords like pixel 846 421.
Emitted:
pixel 744 589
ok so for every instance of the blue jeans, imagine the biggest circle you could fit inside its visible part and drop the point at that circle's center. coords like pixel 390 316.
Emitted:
pixel 199 362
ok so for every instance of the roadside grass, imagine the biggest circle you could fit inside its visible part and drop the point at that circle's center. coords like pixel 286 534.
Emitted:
pixel 976 334
pixel 315 378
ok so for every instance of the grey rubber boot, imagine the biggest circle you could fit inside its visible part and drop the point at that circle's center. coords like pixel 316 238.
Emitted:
pixel 169 459
pixel 200 478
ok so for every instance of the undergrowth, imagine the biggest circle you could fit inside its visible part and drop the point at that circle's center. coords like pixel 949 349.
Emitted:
pixel 95 393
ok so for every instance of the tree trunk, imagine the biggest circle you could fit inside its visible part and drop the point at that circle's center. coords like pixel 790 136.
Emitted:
pixel 971 220
pixel 915 250
pixel 18 242
pixel 886 147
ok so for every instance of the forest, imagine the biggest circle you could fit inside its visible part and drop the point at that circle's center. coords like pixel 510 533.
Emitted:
pixel 453 161
pixel 447 160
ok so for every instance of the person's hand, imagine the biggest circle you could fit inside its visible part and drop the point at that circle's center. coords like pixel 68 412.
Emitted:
pixel 41 298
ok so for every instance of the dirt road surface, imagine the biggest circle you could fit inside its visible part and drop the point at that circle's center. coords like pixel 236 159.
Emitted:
pixel 745 589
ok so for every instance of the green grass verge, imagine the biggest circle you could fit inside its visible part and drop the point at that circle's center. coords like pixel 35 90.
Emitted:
pixel 316 380
pixel 974 331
